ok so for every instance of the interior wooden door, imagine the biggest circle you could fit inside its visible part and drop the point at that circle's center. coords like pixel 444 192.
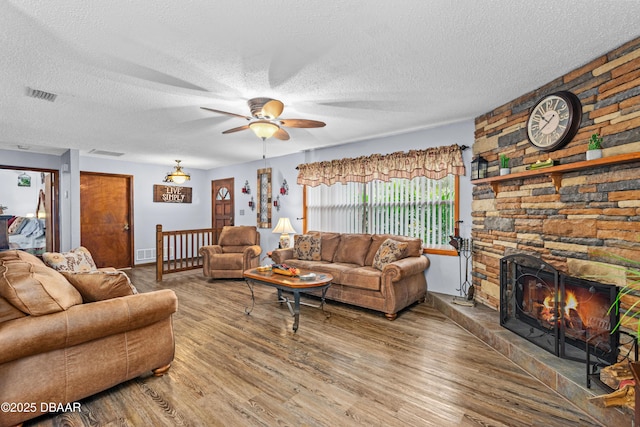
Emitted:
pixel 222 201
pixel 106 218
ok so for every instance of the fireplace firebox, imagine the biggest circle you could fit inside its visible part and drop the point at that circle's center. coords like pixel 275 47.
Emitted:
pixel 565 315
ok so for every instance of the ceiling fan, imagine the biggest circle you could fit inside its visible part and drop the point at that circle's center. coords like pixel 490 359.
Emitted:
pixel 265 121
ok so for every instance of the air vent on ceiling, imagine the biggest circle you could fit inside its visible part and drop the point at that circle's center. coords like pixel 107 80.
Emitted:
pixel 106 153
pixel 41 94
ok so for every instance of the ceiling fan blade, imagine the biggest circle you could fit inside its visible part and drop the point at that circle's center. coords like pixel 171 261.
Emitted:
pixel 272 109
pixel 227 113
pixel 281 134
pixel 236 129
pixel 302 123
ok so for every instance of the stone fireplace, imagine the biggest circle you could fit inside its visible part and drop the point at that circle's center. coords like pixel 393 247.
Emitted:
pixel 566 316
pixel 581 218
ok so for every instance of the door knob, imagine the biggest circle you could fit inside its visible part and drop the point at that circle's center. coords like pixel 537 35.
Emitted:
pixel 126 227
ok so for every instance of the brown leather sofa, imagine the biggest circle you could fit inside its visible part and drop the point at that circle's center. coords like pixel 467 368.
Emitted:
pixel 357 278
pixel 238 249
pixel 55 349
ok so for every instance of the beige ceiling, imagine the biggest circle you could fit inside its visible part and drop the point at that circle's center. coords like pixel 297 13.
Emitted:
pixel 131 76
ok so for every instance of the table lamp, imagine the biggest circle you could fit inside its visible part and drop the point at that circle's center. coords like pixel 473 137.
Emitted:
pixel 284 228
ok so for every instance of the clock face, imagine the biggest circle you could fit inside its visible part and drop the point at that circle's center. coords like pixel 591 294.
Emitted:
pixel 554 120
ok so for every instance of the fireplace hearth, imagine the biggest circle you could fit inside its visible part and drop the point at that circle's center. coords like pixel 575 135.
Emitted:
pixel 565 315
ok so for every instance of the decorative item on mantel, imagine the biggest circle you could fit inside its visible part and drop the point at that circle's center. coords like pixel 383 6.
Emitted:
pixel 504 165
pixel 479 168
pixel 246 189
pixel 284 188
pixel 594 150
pixel 541 164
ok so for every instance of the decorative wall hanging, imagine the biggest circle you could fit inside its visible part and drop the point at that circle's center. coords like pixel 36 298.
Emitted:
pixel 264 198
pixel 246 189
pixel 276 203
pixel 171 194
pixel 252 204
pixel 24 180
pixel 284 188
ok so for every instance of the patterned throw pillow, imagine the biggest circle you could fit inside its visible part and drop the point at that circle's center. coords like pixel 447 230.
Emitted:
pixel 77 260
pixel 390 250
pixel 307 247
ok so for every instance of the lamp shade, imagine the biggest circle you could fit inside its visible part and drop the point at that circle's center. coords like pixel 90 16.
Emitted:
pixel 284 226
pixel 264 129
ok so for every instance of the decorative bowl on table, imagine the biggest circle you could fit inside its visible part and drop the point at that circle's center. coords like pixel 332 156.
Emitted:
pixel 307 277
pixel 285 270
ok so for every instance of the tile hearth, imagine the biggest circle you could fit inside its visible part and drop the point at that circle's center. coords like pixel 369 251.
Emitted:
pixel 566 377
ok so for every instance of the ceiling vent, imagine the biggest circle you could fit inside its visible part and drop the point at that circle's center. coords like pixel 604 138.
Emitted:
pixel 106 153
pixel 40 94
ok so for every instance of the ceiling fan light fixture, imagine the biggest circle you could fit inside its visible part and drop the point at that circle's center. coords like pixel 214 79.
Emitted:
pixel 272 109
pixel 264 129
pixel 178 176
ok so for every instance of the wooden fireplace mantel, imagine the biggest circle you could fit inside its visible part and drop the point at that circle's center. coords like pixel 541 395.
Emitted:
pixel 555 173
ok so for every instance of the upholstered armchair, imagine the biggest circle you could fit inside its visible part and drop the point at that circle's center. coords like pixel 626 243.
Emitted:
pixel 238 249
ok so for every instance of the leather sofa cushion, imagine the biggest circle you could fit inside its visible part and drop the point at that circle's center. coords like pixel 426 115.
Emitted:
pixel 328 244
pixel 36 289
pixel 238 235
pixel 362 278
pixel 101 285
pixel 78 259
pixel 353 248
pixel 8 312
pixel 228 261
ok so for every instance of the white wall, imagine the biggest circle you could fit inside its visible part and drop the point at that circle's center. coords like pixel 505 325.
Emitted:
pixel 442 275
pixel 439 275
pixel 147 213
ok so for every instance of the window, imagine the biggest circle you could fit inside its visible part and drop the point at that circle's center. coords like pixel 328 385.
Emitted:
pixel 420 207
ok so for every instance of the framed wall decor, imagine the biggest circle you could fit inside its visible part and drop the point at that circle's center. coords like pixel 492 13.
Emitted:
pixel 264 198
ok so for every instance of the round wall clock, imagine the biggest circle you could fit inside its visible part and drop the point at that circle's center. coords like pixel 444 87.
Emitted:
pixel 554 120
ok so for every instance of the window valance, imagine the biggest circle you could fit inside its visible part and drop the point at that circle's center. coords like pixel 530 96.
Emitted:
pixel 434 163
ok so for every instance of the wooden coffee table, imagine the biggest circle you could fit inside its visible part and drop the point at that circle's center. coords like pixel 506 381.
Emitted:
pixel 291 284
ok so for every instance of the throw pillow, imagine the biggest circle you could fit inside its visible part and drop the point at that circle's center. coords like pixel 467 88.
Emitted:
pixel 35 289
pixel 352 249
pixel 76 260
pixel 100 285
pixel 307 247
pixel 390 250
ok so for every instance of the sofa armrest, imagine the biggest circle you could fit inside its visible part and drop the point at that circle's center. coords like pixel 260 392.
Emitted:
pixel 405 267
pixel 210 250
pixel 84 322
pixel 279 256
pixel 252 251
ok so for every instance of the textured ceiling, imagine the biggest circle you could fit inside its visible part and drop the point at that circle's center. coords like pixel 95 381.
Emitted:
pixel 131 76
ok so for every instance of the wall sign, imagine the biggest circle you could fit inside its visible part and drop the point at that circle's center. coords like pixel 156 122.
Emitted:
pixel 171 194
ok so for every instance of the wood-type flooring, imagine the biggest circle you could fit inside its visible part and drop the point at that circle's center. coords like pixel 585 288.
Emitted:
pixel 353 368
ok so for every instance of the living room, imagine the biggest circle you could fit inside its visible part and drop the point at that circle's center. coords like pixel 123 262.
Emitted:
pixel 474 205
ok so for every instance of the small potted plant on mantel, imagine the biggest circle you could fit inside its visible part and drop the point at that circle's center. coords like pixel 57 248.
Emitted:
pixel 594 151
pixel 504 165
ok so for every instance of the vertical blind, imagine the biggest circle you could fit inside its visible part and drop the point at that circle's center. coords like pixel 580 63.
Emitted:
pixel 419 207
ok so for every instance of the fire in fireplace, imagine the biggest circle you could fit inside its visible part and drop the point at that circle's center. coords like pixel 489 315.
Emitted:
pixel 565 315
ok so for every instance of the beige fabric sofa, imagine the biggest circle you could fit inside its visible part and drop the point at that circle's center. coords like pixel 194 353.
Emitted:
pixel 57 349
pixel 349 258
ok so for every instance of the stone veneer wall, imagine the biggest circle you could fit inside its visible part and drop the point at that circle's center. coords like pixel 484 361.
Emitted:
pixel 596 210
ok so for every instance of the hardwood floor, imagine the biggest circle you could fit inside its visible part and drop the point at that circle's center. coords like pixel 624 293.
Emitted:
pixel 353 368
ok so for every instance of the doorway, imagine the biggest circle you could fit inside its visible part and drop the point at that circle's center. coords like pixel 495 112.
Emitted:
pixel 106 218
pixel 222 201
